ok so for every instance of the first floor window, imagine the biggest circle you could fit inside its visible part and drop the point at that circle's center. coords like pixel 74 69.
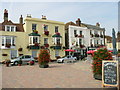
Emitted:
pixel 8 40
pixel 45 40
pixel 58 41
pixel 80 41
pixel 35 40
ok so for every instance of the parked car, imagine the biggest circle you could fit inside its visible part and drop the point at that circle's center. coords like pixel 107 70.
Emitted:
pixel 66 59
pixel 25 59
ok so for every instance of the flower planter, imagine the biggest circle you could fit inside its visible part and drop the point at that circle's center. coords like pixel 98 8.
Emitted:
pixel 44 66
pixel 7 64
pixel 97 76
pixel 19 64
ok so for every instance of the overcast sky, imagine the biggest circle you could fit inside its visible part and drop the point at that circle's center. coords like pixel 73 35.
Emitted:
pixel 106 13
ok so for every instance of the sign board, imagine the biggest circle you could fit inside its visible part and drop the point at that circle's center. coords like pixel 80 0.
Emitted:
pixel 110 74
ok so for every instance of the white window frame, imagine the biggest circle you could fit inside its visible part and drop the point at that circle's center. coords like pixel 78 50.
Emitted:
pixel 14 30
pixel 31 39
pixel 4 40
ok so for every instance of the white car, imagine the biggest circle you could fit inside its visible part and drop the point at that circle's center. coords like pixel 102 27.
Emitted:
pixel 24 58
pixel 68 58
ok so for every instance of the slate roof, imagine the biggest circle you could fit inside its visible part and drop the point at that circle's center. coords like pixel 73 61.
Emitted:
pixel 93 27
pixel 19 27
pixel 83 24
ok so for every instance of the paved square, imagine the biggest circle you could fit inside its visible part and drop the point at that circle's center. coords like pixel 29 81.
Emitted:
pixel 70 75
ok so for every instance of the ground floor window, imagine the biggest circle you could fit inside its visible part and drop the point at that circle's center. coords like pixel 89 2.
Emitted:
pixel 34 54
pixel 7 40
pixel 13 54
pixel 56 52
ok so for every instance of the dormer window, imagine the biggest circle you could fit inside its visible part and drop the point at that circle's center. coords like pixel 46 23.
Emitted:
pixel 10 28
pixel 34 38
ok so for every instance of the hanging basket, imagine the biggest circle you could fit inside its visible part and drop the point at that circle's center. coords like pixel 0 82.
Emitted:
pixel 97 76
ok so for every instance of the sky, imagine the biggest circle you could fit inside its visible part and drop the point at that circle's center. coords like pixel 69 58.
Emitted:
pixel 106 13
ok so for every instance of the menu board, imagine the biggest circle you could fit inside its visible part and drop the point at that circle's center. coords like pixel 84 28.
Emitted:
pixel 110 73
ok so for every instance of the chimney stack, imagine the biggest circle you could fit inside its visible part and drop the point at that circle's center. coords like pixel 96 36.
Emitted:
pixel 21 20
pixel 44 17
pixel 78 22
pixel 97 24
pixel 5 15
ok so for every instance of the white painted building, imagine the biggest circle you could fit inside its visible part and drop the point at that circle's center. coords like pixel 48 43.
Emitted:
pixel 84 35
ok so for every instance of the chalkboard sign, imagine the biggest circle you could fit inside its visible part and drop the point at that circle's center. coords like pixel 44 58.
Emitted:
pixel 110 73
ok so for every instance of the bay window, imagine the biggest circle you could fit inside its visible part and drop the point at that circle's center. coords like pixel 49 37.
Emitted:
pixel 7 40
pixel 33 40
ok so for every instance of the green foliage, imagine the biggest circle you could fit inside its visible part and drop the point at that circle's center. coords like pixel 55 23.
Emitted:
pixel 99 55
pixel 43 57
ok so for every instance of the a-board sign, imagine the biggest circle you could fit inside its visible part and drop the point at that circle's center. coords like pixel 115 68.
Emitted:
pixel 110 76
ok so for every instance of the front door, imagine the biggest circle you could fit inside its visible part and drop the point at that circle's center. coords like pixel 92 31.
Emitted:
pixel 13 54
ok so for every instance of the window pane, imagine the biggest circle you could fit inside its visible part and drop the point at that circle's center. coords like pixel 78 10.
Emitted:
pixel 34 26
pixel 35 39
pixel 45 27
pixel 80 41
pixel 80 32
pixel 58 40
pixel 75 32
pixel 2 40
pixel 45 40
pixel 30 40
pixel 12 29
pixel 8 28
pixel 56 29
pixel 13 40
pixel 8 40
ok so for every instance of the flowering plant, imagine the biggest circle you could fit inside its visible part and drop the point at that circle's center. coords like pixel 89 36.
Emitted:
pixel 99 55
pixel 57 33
pixel 43 57
pixel 46 33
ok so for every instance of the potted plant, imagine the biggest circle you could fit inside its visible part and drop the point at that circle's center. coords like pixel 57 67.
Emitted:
pixel 20 62
pixel 7 62
pixel 43 58
pixel 98 56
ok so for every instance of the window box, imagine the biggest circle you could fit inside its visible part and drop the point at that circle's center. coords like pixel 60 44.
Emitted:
pixel 46 33
pixel 13 44
pixel 36 44
pixel 76 35
pixel 46 45
pixel 20 49
pixel 4 54
pixel 81 36
pixel 20 54
pixel 8 45
pixel 92 35
pixel 82 46
pixel 96 35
